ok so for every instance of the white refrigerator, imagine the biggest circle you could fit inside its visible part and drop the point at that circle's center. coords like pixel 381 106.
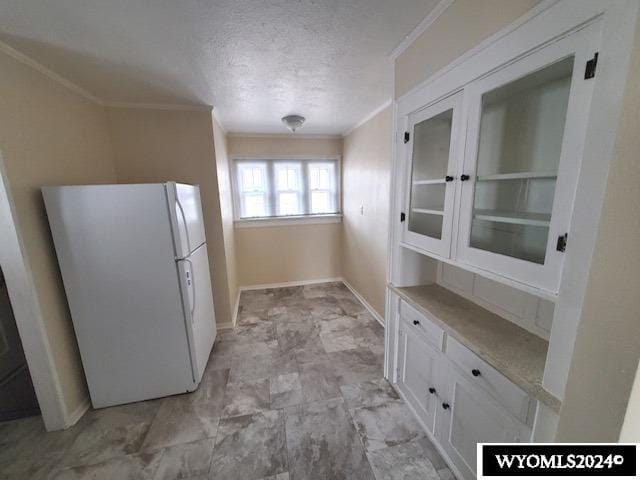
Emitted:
pixel 135 269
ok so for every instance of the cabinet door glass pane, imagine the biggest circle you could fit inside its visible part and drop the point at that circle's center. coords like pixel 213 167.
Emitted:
pixel 521 132
pixel 429 164
pixel 426 224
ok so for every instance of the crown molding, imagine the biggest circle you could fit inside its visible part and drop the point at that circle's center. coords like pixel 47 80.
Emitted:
pixel 158 106
pixel 367 118
pixel 426 22
pixel 217 120
pixel 307 136
pixel 25 60
pixel 22 58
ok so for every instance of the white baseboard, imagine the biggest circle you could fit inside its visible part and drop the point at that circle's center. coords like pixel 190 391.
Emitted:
pixel 77 414
pixel 297 283
pixel 366 304
pixel 236 308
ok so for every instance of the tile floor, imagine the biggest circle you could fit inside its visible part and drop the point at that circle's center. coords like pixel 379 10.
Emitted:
pixel 294 392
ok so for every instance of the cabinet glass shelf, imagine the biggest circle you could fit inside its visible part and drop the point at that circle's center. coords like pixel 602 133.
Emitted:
pixel 429 182
pixel 516 176
pixel 428 211
pixel 516 218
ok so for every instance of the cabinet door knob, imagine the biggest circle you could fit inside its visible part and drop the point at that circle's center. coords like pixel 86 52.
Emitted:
pixel 475 372
pixel 445 406
pixel 416 322
pixel 449 178
pixel 464 177
pixel 432 390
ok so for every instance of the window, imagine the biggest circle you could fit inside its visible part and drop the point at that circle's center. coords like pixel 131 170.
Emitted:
pixel 286 187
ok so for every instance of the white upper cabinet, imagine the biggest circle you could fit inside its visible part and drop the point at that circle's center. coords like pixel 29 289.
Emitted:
pixel 491 170
pixel 434 138
pixel 524 133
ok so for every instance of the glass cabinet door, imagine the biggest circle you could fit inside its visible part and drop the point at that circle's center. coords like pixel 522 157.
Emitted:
pixel 433 137
pixel 523 149
pixel 521 131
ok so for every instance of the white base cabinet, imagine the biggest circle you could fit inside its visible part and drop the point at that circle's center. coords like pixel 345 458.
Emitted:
pixel 417 366
pixel 467 416
pixel 459 408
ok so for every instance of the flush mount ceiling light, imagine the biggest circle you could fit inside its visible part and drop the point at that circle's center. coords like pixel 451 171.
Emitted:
pixel 293 122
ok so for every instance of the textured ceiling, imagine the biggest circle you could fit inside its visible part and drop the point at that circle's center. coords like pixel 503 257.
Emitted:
pixel 253 60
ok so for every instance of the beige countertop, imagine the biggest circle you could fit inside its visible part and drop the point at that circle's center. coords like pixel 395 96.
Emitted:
pixel 516 353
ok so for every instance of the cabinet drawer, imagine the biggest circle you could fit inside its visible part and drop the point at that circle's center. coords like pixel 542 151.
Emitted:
pixel 420 323
pixel 512 397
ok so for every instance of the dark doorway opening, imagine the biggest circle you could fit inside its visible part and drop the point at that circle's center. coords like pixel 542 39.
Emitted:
pixel 17 395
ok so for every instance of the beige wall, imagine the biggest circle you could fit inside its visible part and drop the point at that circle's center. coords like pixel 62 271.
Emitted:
pixel 226 211
pixel 607 345
pixel 50 136
pixel 366 165
pixel 286 253
pixel 283 145
pixel 461 27
pixel 162 145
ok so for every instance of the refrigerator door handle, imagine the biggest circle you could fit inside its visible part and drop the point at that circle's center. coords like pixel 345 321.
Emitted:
pixel 184 222
pixel 192 282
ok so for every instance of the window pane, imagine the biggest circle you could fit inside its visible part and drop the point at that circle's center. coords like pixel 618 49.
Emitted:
pixel 253 177
pixel 254 205
pixel 324 178
pixel 321 176
pixel 320 202
pixel 257 178
pixel 282 179
pixel 288 176
pixel 288 204
pixel 247 179
pixel 314 181
pixel 292 179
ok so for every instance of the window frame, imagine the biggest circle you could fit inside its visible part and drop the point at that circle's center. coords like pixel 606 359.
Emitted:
pixel 278 220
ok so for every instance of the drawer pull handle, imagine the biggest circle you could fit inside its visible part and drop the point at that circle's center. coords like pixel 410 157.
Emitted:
pixel 475 372
pixel 432 390
pixel 416 322
pixel 445 406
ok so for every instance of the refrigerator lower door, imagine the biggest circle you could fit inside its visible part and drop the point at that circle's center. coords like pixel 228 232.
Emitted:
pixel 198 305
pixel 186 211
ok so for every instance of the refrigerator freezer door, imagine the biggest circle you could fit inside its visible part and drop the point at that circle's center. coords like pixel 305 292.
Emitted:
pixel 115 250
pixel 186 210
pixel 198 304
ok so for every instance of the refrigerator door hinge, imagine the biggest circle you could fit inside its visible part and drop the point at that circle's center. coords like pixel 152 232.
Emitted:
pixel 402 216
pixel 590 67
pixel 561 246
pixel 407 136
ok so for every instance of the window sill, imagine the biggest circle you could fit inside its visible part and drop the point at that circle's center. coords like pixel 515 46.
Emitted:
pixel 287 221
